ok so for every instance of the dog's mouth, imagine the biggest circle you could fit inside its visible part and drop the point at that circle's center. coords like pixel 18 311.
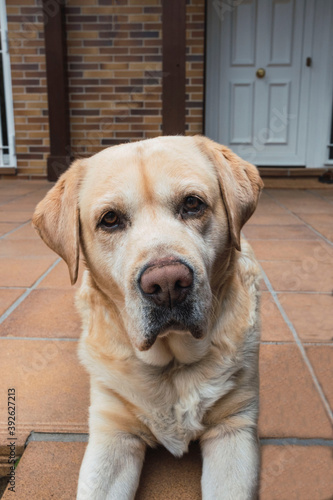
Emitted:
pixel 175 326
pixel 187 317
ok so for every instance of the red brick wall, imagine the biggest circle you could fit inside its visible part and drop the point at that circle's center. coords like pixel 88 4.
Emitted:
pixel 114 69
pixel 26 42
pixel 115 62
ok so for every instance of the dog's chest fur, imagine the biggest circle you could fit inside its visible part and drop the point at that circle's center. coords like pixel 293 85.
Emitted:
pixel 180 396
pixel 172 400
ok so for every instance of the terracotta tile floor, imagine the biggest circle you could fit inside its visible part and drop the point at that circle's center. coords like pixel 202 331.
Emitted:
pixel 292 235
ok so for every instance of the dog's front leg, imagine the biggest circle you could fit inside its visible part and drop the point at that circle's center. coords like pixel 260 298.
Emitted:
pixel 230 466
pixel 111 467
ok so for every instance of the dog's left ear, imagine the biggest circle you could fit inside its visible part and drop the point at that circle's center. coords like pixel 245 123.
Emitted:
pixel 240 184
pixel 56 218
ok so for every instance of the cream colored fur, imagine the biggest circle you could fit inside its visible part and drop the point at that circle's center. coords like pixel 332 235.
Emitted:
pixel 181 388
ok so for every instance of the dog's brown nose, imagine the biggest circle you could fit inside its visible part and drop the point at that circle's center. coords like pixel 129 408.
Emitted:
pixel 166 282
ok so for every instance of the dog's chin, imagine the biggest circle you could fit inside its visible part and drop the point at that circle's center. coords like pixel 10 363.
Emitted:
pixel 189 317
pixel 173 327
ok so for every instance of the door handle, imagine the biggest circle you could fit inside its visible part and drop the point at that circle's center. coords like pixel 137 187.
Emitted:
pixel 260 73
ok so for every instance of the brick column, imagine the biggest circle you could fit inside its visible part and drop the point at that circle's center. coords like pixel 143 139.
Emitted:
pixel 56 70
pixel 174 49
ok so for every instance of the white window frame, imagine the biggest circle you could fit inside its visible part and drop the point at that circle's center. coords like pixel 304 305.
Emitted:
pixel 8 158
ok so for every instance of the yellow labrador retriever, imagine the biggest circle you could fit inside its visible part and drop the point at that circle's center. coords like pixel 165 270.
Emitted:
pixel 169 304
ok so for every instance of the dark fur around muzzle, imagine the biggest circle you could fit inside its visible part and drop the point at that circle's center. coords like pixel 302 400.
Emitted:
pixel 187 316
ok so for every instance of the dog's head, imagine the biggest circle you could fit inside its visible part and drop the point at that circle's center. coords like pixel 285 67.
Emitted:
pixel 155 220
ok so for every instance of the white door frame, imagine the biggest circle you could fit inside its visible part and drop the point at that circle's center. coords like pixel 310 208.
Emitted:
pixel 317 34
pixel 4 54
pixel 321 86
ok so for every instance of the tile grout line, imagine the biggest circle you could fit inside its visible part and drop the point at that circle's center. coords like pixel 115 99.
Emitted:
pixel 285 316
pixel 291 342
pixel 303 292
pixel 299 345
pixel 299 218
pixel 19 198
pixel 327 344
pixel 13 287
pixel 321 197
pixel 75 339
pixel 27 292
pixel 51 339
pixel 280 239
pixel 24 223
pixel 15 229
pixel 58 437
pixel 321 236
pixel 82 437
pixel 296 441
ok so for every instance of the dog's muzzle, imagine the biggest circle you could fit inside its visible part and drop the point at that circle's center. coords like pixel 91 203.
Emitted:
pixel 167 287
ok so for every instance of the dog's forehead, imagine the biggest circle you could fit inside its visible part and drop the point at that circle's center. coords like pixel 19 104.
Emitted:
pixel 154 166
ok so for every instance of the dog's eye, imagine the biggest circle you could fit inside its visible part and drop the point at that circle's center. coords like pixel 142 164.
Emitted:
pixel 110 219
pixel 192 206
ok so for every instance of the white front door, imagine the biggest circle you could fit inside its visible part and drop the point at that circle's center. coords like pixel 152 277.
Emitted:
pixel 264 81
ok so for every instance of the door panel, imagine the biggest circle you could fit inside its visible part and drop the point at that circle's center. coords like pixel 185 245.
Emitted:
pixel 243 45
pixel 241 103
pixel 278 100
pixel 281 29
pixel 265 34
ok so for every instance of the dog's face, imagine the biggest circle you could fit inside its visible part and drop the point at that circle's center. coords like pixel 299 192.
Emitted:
pixel 152 224
pixel 154 218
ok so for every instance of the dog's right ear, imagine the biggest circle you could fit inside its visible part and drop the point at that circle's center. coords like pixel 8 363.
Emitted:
pixel 240 184
pixel 56 218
